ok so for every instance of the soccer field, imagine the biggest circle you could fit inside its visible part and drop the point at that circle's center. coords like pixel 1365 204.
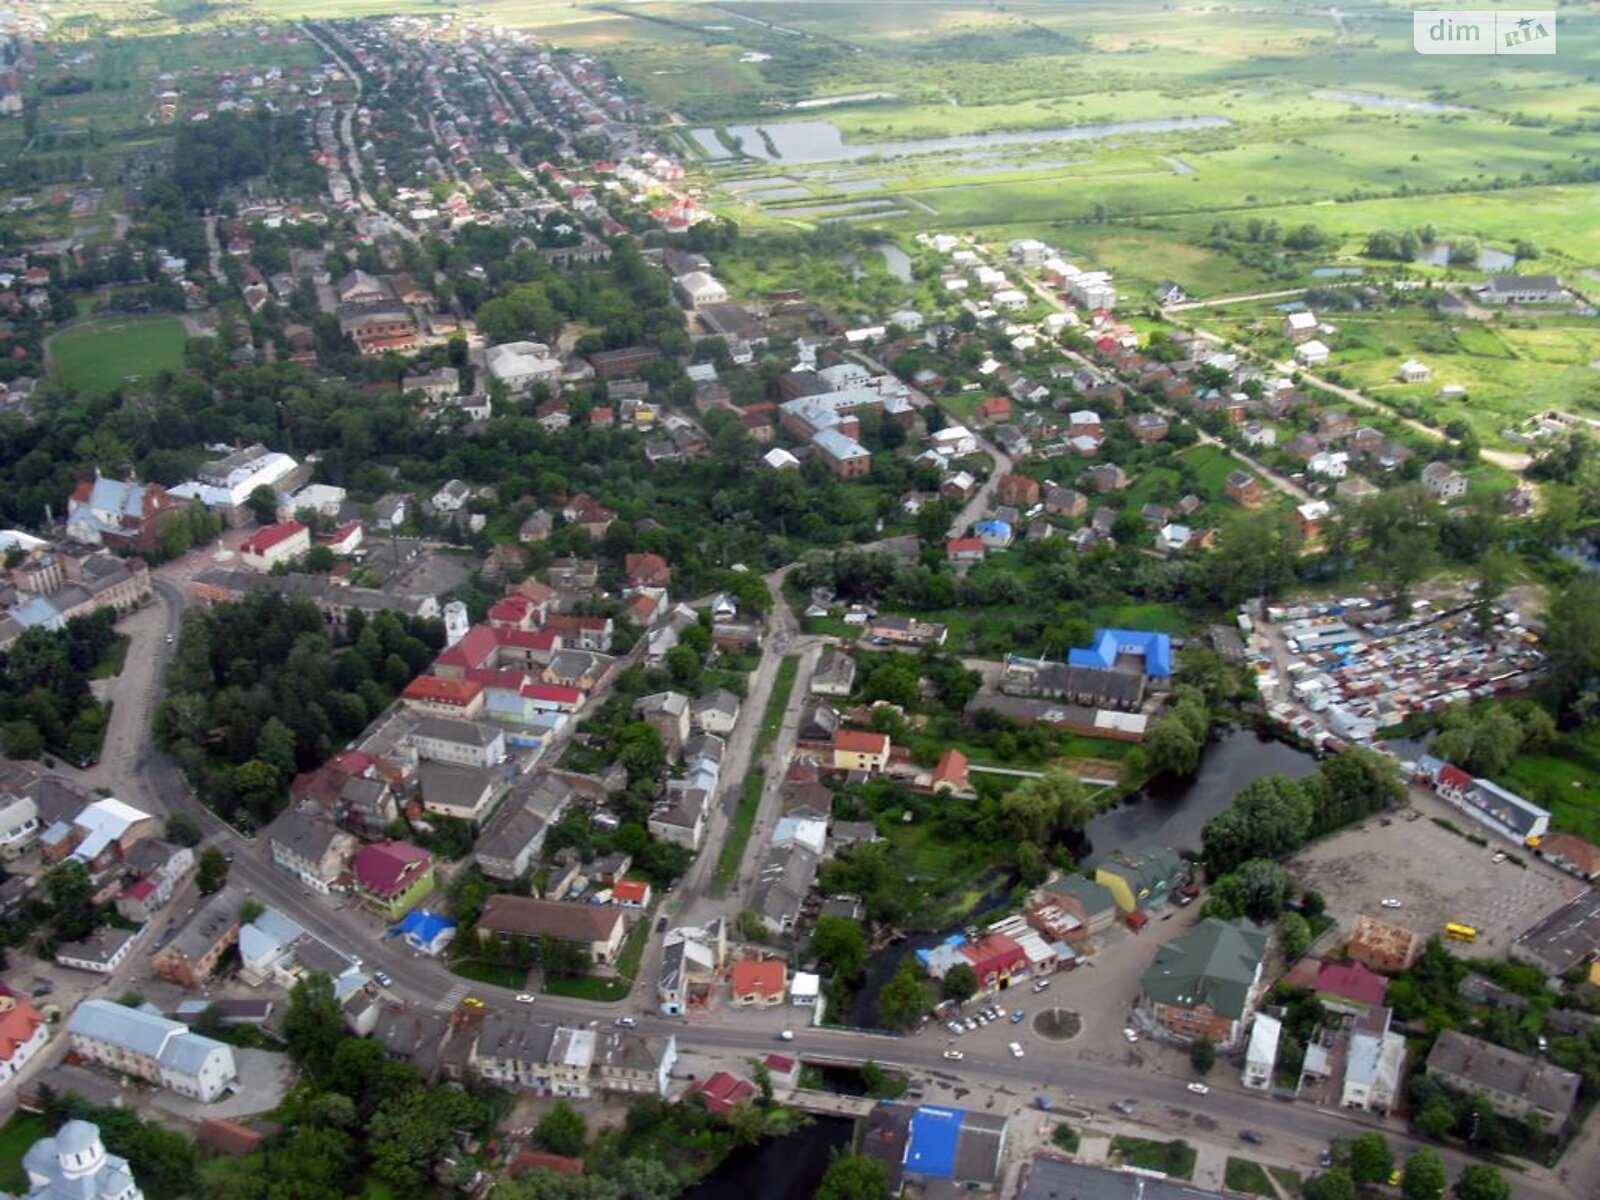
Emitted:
pixel 97 358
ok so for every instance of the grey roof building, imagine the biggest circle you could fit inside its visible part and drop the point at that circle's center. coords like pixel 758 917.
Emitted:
pixel 74 1165
pixel 1059 1179
pixel 1517 1086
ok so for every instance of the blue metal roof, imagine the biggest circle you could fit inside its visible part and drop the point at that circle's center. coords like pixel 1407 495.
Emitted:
pixel 423 926
pixel 931 1150
pixel 1155 648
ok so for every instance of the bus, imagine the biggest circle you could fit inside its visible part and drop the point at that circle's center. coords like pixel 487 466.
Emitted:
pixel 1461 933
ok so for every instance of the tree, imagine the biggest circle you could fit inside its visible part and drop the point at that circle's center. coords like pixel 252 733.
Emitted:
pixel 213 872
pixel 1369 1158
pixel 263 503
pixel 854 1177
pixel 1333 1184
pixel 1481 1182
pixel 1264 888
pixel 1039 806
pixel 250 910
pixel 960 983
pixel 313 1025
pixel 1203 1055
pixel 1294 935
pixel 1170 748
pixel 1572 647
pixel 183 830
pixel 1424 1176
pixel 1437 1117
pixel 840 942
pixel 903 999
pixel 562 1130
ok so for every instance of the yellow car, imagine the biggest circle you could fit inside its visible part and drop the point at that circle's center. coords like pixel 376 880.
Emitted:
pixel 1394 1177
pixel 472 1002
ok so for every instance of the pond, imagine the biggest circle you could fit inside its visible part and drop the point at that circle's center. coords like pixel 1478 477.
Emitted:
pixel 785 1168
pixel 1378 100
pixel 1437 254
pixel 822 141
pixel 1336 272
pixel 1172 813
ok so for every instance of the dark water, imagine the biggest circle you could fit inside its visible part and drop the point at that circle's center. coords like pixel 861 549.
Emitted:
pixel 1168 814
pixel 786 1168
pixel 1173 813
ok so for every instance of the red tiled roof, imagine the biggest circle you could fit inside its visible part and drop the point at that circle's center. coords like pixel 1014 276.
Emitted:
pixel 528 639
pixel 434 689
pixel 646 570
pixel 342 534
pixel 554 693
pixel 269 536
pixel 140 890
pixel 723 1093
pixel 1455 777
pixel 780 1063
pixel 387 868
pixel 858 741
pixel 513 608
pixel 631 890
pixel 18 1022
pixel 964 545
pixel 352 762
pixel 952 767
pixel 225 1137
pixel 761 978
pixel 1352 981
pixel 474 649
pixel 994 953
pixel 504 678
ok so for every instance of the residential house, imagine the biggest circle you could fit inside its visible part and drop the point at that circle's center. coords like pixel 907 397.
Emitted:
pixel 514 838
pixel 964 551
pixel 1018 490
pixel 23 1033
pixel 758 984
pixel 1443 481
pixel 597 929
pixel 1571 853
pixel 1411 371
pixel 459 790
pixel 135 1042
pixel 1298 326
pixel 1258 436
pixel 1349 987
pixel 1523 289
pixel 784 878
pixel 1312 353
pixel 464 743
pixel 1107 477
pixel 630 1063
pixel 1245 488
pixel 716 712
pixel 1148 427
pixel 1374 1064
pixel 1205 983
pixel 1093 904
pixel 1141 881
pixel 101 952
pixel 668 713
pixel 860 750
pixel 390 878
pixel 1310 516
pixel 193 954
pixel 522 365
pixel 307 844
pixel 1516 1085
pixel 834 674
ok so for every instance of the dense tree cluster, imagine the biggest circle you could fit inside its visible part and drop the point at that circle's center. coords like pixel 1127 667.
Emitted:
pixel 1274 815
pixel 257 691
pixel 45 700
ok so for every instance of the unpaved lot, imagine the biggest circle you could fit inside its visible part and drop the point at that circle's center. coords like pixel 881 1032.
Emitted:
pixel 1437 876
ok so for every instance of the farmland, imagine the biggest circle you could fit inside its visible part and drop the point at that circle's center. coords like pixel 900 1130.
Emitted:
pixel 97 358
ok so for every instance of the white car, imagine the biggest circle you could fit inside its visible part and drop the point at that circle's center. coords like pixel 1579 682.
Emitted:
pixel 957 1028
pixel 1131 1034
pixel 1499 856
pixel 786 1036
pixel 1199 1089
pixel 524 997
pixel 1016 1049
pixel 1390 902
pixel 954 1055
pixel 624 1022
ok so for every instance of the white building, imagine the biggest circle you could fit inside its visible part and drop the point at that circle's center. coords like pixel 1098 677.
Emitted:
pixel 451 497
pixel 1311 354
pixel 1373 1065
pixel 520 365
pixel 74 1165
pixel 228 482
pixel 1262 1053
pixel 465 743
pixel 699 288
pixel 19 825
pixel 149 1046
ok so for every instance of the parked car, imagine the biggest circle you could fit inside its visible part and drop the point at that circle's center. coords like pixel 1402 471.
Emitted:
pixel 1017 1016
pixel 1131 1034
pixel 956 1027
pixel 661 924
pixel 1389 902
pixel 786 1035
pixel 383 979
pixel 1016 1049
pixel 624 1022
pixel 972 1024
pixel 1325 1158
pixel 1040 985
pixel 1125 1107
pixel 1199 1089
pixel 954 1055
pixel 1251 1136
pixel 524 997
pixel 472 1002
pixel 1499 856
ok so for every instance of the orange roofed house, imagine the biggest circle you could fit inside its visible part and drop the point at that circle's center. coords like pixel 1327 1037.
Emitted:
pixel 858 750
pixel 758 984
pixel 1383 946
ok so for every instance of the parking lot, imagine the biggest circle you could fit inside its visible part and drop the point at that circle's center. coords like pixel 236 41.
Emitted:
pixel 1437 876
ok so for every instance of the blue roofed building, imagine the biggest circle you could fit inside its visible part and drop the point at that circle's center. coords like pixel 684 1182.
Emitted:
pixel 931 1150
pixel 951 1144
pixel 426 931
pixel 994 534
pixel 1112 648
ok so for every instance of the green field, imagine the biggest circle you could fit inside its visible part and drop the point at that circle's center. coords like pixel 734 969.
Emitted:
pixel 1244 1175
pixel 1174 1159
pixel 100 358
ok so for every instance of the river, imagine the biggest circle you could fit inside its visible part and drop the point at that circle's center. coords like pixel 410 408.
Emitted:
pixel 1168 814
pixel 785 1168
pixel 802 142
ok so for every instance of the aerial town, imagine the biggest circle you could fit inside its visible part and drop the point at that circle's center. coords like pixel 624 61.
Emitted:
pixel 549 648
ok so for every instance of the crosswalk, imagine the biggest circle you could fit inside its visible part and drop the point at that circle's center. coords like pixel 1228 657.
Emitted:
pixel 451 999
